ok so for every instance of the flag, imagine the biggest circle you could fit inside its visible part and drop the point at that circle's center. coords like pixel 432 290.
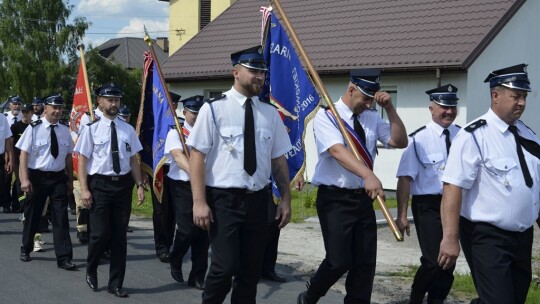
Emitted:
pixel 289 88
pixel 82 104
pixel 153 123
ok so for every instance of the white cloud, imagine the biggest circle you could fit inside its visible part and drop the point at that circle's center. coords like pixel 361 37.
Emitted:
pixel 135 28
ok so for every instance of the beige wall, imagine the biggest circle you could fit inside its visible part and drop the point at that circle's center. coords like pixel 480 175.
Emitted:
pixel 184 14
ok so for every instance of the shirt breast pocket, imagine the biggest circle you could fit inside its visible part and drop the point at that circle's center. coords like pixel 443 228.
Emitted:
pixel 124 146
pixel 503 170
pixel 40 146
pixel 234 145
pixel 63 146
pixel 102 146
pixel 265 138
pixel 435 163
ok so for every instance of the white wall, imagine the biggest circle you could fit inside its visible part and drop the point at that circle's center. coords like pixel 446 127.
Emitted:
pixel 518 42
pixel 412 106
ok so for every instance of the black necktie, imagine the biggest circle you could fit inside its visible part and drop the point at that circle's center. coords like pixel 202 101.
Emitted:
pixel 114 149
pixel 250 158
pixel 15 119
pixel 54 142
pixel 447 140
pixel 522 163
pixel 358 128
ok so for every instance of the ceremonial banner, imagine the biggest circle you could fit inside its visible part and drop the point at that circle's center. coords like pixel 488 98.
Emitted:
pixel 153 123
pixel 82 104
pixel 289 88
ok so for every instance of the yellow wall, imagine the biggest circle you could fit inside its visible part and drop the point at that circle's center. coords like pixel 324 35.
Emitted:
pixel 184 14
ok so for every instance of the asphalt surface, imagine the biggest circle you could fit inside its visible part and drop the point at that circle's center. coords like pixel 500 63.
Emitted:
pixel 147 280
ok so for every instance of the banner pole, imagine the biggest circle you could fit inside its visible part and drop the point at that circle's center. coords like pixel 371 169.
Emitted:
pixel 322 90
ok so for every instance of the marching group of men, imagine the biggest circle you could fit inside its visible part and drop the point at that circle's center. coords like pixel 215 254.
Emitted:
pixel 478 185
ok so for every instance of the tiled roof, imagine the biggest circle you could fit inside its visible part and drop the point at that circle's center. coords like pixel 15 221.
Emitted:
pixel 128 51
pixel 347 34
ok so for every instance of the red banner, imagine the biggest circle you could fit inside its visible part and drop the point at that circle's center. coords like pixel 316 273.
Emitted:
pixel 80 108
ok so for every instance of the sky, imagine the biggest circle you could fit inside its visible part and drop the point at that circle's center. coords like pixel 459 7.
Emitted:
pixel 121 18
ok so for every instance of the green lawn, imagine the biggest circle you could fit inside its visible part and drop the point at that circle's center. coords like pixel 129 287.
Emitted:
pixel 303 204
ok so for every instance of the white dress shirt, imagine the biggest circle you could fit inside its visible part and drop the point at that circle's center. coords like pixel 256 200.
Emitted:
pixel 224 145
pixel 95 144
pixel 327 170
pixel 5 133
pixel 425 163
pixel 172 143
pixel 494 189
pixel 10 117
pixel 36 141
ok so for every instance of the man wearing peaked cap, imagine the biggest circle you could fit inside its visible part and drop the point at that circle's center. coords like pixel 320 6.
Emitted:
pixel 124 113
pixel 419 173
pixel 14 113
pixel 187 233
pixel 12 117
pixel 108 170
pixel 496 160
pixel 38 107
pixel 231 203
pixel 347 186
pixel 46 171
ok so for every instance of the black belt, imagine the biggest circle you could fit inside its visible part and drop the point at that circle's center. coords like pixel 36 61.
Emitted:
pixel 113 178
pixel 428 196
pixel 47 174
pixel 182 183
pixel 242 190
pixel 361 191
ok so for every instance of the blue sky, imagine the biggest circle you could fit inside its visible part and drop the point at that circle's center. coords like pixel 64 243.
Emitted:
pixel 122 18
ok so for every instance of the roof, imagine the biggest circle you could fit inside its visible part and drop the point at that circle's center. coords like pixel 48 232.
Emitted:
pixel 343 35
pixel 128 51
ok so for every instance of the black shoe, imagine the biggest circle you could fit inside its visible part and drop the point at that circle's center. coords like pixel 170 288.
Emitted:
pixel 273 277
pixel 6 210
pixel 304 299
pixel 177 275
pixel 118 292
pixel 196 284
pixel 83 237
pixel 25 257
pixel 68 266
pixel 91 280
pixel 164 257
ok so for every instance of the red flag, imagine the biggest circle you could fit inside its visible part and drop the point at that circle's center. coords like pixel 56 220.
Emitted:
pixel 81 105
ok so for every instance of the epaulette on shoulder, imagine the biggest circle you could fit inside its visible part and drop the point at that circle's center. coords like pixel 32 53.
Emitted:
pixel 527 127
pixel 5 114
pixel 216 98
pixel 93 122
pixel 457 126
pixel 475 125
pixel 323 106
pixel 64 123
pixel 36 122
pixel 418 130
pixel 269 103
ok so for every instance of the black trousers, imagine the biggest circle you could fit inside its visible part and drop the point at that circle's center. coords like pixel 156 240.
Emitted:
pixel 45 185
pixel 187 234
pixel 349 232
pixel 430 277
pixel 500 261
pixel 16 190
pixel 109 217
pixel 163 216
pixel 272 239
pixel 237 240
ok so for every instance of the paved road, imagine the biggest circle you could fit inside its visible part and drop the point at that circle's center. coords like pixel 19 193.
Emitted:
pixel 147 280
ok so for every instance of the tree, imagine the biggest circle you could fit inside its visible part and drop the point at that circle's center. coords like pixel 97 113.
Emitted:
pixel 36 42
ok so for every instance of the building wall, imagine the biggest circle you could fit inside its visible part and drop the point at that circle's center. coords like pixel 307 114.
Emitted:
pixel 185 14
pixel 518 42
pixel 412 106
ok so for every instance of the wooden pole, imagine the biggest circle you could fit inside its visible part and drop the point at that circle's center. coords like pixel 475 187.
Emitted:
pixel 80 47
pixel 322 90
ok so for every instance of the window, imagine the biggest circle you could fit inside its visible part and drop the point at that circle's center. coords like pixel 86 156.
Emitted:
pixel 206 8
pixel 215 93
pixel 393 94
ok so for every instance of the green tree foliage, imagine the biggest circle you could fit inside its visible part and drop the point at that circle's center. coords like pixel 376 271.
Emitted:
pixel 36 41
pixel 101 70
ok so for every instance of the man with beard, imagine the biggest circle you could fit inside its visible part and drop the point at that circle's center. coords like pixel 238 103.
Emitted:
pixel 12 117
pixel 237 143
pixel 37 105
pixel 347 186
pixel 491 193
pixel 419 173
pixel 108 170
pixel 46 171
